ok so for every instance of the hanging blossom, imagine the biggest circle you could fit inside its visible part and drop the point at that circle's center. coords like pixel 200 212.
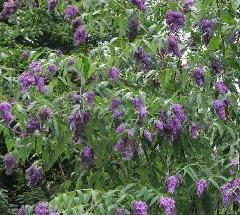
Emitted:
pixel 206 27
pixel 52 5
pixel 114 74
pixel 142 57
pixel 119 211
pixel 22 211
pixel 198 74
pixel 172 183
pixel 234 166
pixel 177 110
pixel 25 55
pixel 140 4
pixel 236 190
pixel 127 148
pixel 160 127
pixel 173 46
pixel 148 135
pixel 37 122
pixel 216 66
pixel 77 122
pixel 5 109
pixel 52 68
pixel 172 126
pixel 9 163
pixel 168 204
pixel 221 87
pixel 201 185
pixel 70 11
pixel 133 28
pixel 34 175
pixel 186 6
pixel 175 20
pixel 90 98
pixel 140 208
pixel 142 111
pixel 32 77
pixel 120 128
pixel 219 107
pixel 41 208
pixel 9 8
pixel 87 157
pixel 53 212
pixel 117 114
pixel 226 191
pixel 194 130
pixel 80 36
pixel 115 103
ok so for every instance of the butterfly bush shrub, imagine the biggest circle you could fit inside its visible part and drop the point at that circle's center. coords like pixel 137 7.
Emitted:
pixel 119 107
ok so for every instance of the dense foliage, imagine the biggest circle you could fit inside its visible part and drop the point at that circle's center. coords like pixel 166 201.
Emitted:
pixel 119 107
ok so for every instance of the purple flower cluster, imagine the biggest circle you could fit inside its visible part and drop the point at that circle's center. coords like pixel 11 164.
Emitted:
pixel 140 208
pixel 231 192
pixel 133 27
pixel 87 157
pixel 142 111
pixel 5 109
pixel 115 103
pixel 160 127
pixel 168 204
pixel 10 163
pixel 236 190
pixel 52 68
pixel 178 112
pixel 32 77
pixel 80 35
pixel 114 74
pixel 219 107
pixel 126 148
pixel 140 4
pixel 172 183
pixel 120 211
pixel 70 11
pixel 32 125
pixel 201 185
pixel 226 190
pixel 22 211
pixel 71 61
pixel 131 133
pixel 175 20
pixel 41 208
pixel 187 4
pixel 25 55
pixel 90 98
pixel 9 8
pixel 216 66
pixel 120 128
pixel 77 123
pixel 35 66
pixel 142 57
pixel 194 130
pixel 34 174
pixel 37 122
pixel 234 166
pixel 221 87
pixel 206 26
pixel 173 46
pixel 171 126
pixel 148 135
pixel 198 74
pixel 117 114
pixel 52 5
